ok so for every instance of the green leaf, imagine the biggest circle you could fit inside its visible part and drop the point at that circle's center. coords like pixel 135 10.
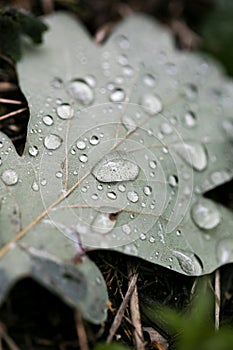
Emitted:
pixel 14 23
pixel 120 150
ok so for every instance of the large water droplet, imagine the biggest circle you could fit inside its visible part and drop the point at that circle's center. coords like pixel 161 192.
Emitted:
pixel 114 168
pixel 103 223
pixel 205 214
pixel 48 120
pixel 52 141
pixel 132 196
pixel 81 92
pixel 33 151
pixel 225 251
pixel 65 111
pixel 190 119
pixel 188 262
pixel 151 103
pixel 10 177
pixel 192 153
pixel 173 180
pixel 118 95
pixel 228 128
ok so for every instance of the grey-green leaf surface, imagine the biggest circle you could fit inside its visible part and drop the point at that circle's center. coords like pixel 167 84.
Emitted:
pixel 123 141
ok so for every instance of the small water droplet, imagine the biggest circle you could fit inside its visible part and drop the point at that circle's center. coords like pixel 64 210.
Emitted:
pixel 43 182
pixel 121 188
pixel 149 80
pixel 103 224
pixel 100 187
pixel 33 151
pixel 95 196
pixel 205 214
pixel 83 158
pixel 123 60
pixel 152 164
pixel 166 129
pixel 178 232
pixel 173 180
pixel 228 128
pixel 147 190
pixel 35 186
pixel 123 42
pixel 114 168
pixel 52 141
pixel 118 95
pixel 126 229
pixel 152 104
pixel 94 140
pixel 188 262
pixel 65 111
pixel 81 92
pixel 142 236
pixel 48 120
pixel 193 154
pixel 132 196
pixel 81 145
pixel 190 119
pixel 59 174
pixel 151 239
pixel 219 177
pixel 111 195
pixel 10 177
pixel 56 83
pixel 84 189
pixel 191 91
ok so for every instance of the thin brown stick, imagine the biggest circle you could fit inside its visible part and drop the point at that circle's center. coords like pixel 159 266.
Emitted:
pixel 12 114
pixel 136 319
pixel 11 102
pixel 10 342
pixel 217 298
pixel 120 313
pixel 81 332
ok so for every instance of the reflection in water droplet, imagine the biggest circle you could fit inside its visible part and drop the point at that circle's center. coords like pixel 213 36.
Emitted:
pixel 48 120
pixel 190 119
pixel 205 214
pixel 173 180
pixel 65 111
pixel 35 186
pixel 188 262
pixel 103 224
pixel 111 195
pixel 81 92
pixel 151 103
pixel 52 141
pixel 224 251
pixel 81 145
pixel 193 154
pixel 149 80
pixel 147 190
pixel 10 177
pixel 114 168
pixel 132 196
pixel 83 158
pixel 33 151
pixel 94 140
pixel 118 95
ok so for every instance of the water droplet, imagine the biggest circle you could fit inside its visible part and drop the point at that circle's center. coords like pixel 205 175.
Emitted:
pixel 103 224
pixel 193 154
pixel 81 92
pixel 132 196
pixel 43 182
pixel 48 120
pixel 52 141
pixel 188 262
pixel 123 60
pixel 33 151
pixel 56 83
pixel 151 239
pixel 173 180
pixel 84 189
pixel 111 195
pixel 123 42
pixel 100 187
pixel 225 250
pixel 142 236
pixel 129 123
pixel 95 196
pixel 81 145
pixel 126 229
pixel 114 168
pixel 147 190
pixel 35 186
pixel 94 140
pixel 65 111
pixel 205 214
pixel 178 232
pixel 91 81
pixel 219 177
pixel 10 177
pixel 152 164
pixel 83 158
pixel 121 188
pixel 228 128
pixel 190 119
pixel 166 129
pixel 59 174
pixel 118 95
pixel 191 91
pixel 149 80
pixel 151 103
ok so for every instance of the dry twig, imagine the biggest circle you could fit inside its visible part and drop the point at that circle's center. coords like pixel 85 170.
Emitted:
pixel 81 332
